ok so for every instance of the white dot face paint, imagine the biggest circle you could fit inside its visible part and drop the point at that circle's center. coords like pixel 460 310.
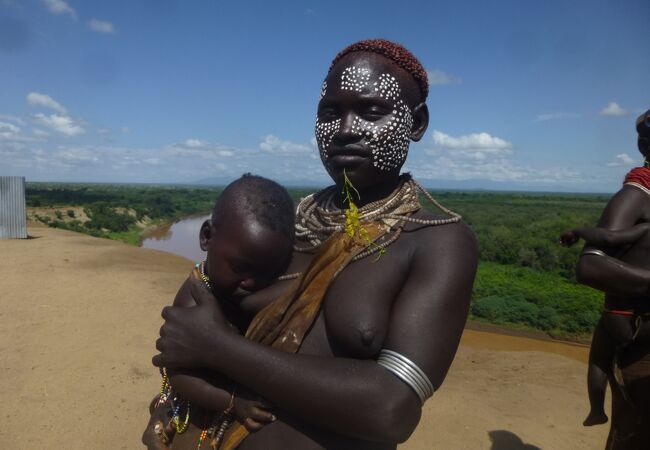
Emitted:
pixel 389 137
pixel 323 89
pixel 325 131
pixel 390 141
pixel 355 78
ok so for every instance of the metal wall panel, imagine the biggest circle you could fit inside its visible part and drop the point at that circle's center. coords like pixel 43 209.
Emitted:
pixel 13 211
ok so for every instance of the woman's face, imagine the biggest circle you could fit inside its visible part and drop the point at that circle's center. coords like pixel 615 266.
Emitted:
pixel 365 119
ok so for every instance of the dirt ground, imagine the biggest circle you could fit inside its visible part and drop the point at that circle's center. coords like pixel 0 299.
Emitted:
pixel 78 321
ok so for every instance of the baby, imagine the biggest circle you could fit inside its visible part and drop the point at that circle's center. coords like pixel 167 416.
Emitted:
pixel 249 243
pixel 618 328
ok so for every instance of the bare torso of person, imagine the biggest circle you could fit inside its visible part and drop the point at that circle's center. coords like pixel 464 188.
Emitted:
pixel 353 322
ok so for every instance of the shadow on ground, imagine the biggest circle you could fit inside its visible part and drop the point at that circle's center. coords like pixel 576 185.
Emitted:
pixel 505 440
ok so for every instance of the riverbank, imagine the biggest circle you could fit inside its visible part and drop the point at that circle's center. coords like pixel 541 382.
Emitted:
pixel 79 317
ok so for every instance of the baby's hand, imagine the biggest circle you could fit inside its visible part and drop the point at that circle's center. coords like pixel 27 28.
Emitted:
pixel 253 414
pixel 568 238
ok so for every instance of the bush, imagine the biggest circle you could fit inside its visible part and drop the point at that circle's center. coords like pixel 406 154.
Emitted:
pixel 510 294
pixel 515 309
pixel 103 217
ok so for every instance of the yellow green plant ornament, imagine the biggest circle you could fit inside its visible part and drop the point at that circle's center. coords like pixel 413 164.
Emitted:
pixel 353 226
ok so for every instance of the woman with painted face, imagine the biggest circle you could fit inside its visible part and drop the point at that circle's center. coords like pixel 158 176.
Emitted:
pixel 363 327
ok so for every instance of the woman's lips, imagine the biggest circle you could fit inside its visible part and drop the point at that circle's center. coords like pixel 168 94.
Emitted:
pixel 347 160
pixel 348 156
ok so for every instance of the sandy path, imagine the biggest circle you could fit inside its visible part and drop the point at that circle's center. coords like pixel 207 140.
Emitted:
pixel 78 320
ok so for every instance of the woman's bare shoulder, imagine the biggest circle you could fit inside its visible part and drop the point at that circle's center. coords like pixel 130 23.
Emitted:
pixel 434 231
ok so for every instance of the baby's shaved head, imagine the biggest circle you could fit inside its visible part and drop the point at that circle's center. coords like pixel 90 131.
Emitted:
pixel 259 199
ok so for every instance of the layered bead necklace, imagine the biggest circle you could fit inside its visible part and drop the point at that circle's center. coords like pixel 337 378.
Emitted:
pixel 317 217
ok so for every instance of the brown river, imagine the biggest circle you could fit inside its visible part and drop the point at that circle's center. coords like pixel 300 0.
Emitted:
pixel 180 238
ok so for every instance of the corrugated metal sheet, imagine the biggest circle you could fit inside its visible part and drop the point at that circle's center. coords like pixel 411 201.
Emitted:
pixel 13 212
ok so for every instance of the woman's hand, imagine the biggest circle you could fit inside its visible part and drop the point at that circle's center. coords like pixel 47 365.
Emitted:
pixel 568 238
pixel 189 336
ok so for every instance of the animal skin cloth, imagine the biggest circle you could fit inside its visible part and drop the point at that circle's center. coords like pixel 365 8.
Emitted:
pixel 284 323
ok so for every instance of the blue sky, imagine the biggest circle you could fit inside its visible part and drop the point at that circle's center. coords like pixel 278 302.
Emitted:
pixel 525 95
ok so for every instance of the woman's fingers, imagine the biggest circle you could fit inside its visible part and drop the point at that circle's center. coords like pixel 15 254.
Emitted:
pixel 259 414
pixel 253 425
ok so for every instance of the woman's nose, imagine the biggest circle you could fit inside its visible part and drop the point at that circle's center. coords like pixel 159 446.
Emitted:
pixel 347 128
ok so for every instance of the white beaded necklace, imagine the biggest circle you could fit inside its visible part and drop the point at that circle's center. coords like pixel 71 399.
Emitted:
pixel 317 217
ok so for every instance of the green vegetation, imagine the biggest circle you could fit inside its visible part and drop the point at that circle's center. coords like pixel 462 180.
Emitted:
pixel 525 279
pixel 507 294
pixel 118 211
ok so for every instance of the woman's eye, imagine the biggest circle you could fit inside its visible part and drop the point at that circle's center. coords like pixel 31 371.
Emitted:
pixel 327 113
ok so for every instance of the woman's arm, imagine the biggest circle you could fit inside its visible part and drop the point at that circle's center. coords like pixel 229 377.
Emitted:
pixel 602 237
pixel 608 274
pixel 210 390
pixel 358 398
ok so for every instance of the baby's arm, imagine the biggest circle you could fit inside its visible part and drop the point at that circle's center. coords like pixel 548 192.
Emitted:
pixel 212 391
pixel 604 237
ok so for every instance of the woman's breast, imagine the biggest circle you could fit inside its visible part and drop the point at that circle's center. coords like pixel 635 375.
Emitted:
pixel 355 313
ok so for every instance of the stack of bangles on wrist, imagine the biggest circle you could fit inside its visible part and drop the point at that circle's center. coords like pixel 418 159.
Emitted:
pixel 407 371
pixel 592 251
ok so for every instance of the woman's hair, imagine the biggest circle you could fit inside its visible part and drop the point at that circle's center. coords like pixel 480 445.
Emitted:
pixel 396 53
pixel 643 128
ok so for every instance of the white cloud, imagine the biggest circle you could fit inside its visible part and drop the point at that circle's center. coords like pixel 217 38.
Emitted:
pixel 60 7
pixel 499 170
pixel 622 159
pixel 475 146
pixel 273 144
pixel 60 123
pixel 199 149
pixel 101 26
pixel 13 134
pixel 613 109
pixel 38 99
pixel 40 133
pixel 556 116
pixel 9 131
pixel 440 78
pixel 10 118
pixel 194 143
pixel 481 156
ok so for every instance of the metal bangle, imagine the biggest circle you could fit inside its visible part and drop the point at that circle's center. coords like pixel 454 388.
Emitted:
pixel 593 251
pixel 407 371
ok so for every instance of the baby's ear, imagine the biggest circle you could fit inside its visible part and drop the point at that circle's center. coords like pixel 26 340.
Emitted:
pixel 205 234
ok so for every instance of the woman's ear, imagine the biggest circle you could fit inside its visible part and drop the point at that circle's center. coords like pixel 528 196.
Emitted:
pixel 420 121
pixel 644 145
pixel 205 234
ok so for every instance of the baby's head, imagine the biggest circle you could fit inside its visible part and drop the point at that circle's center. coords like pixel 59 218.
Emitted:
pixel 249 238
